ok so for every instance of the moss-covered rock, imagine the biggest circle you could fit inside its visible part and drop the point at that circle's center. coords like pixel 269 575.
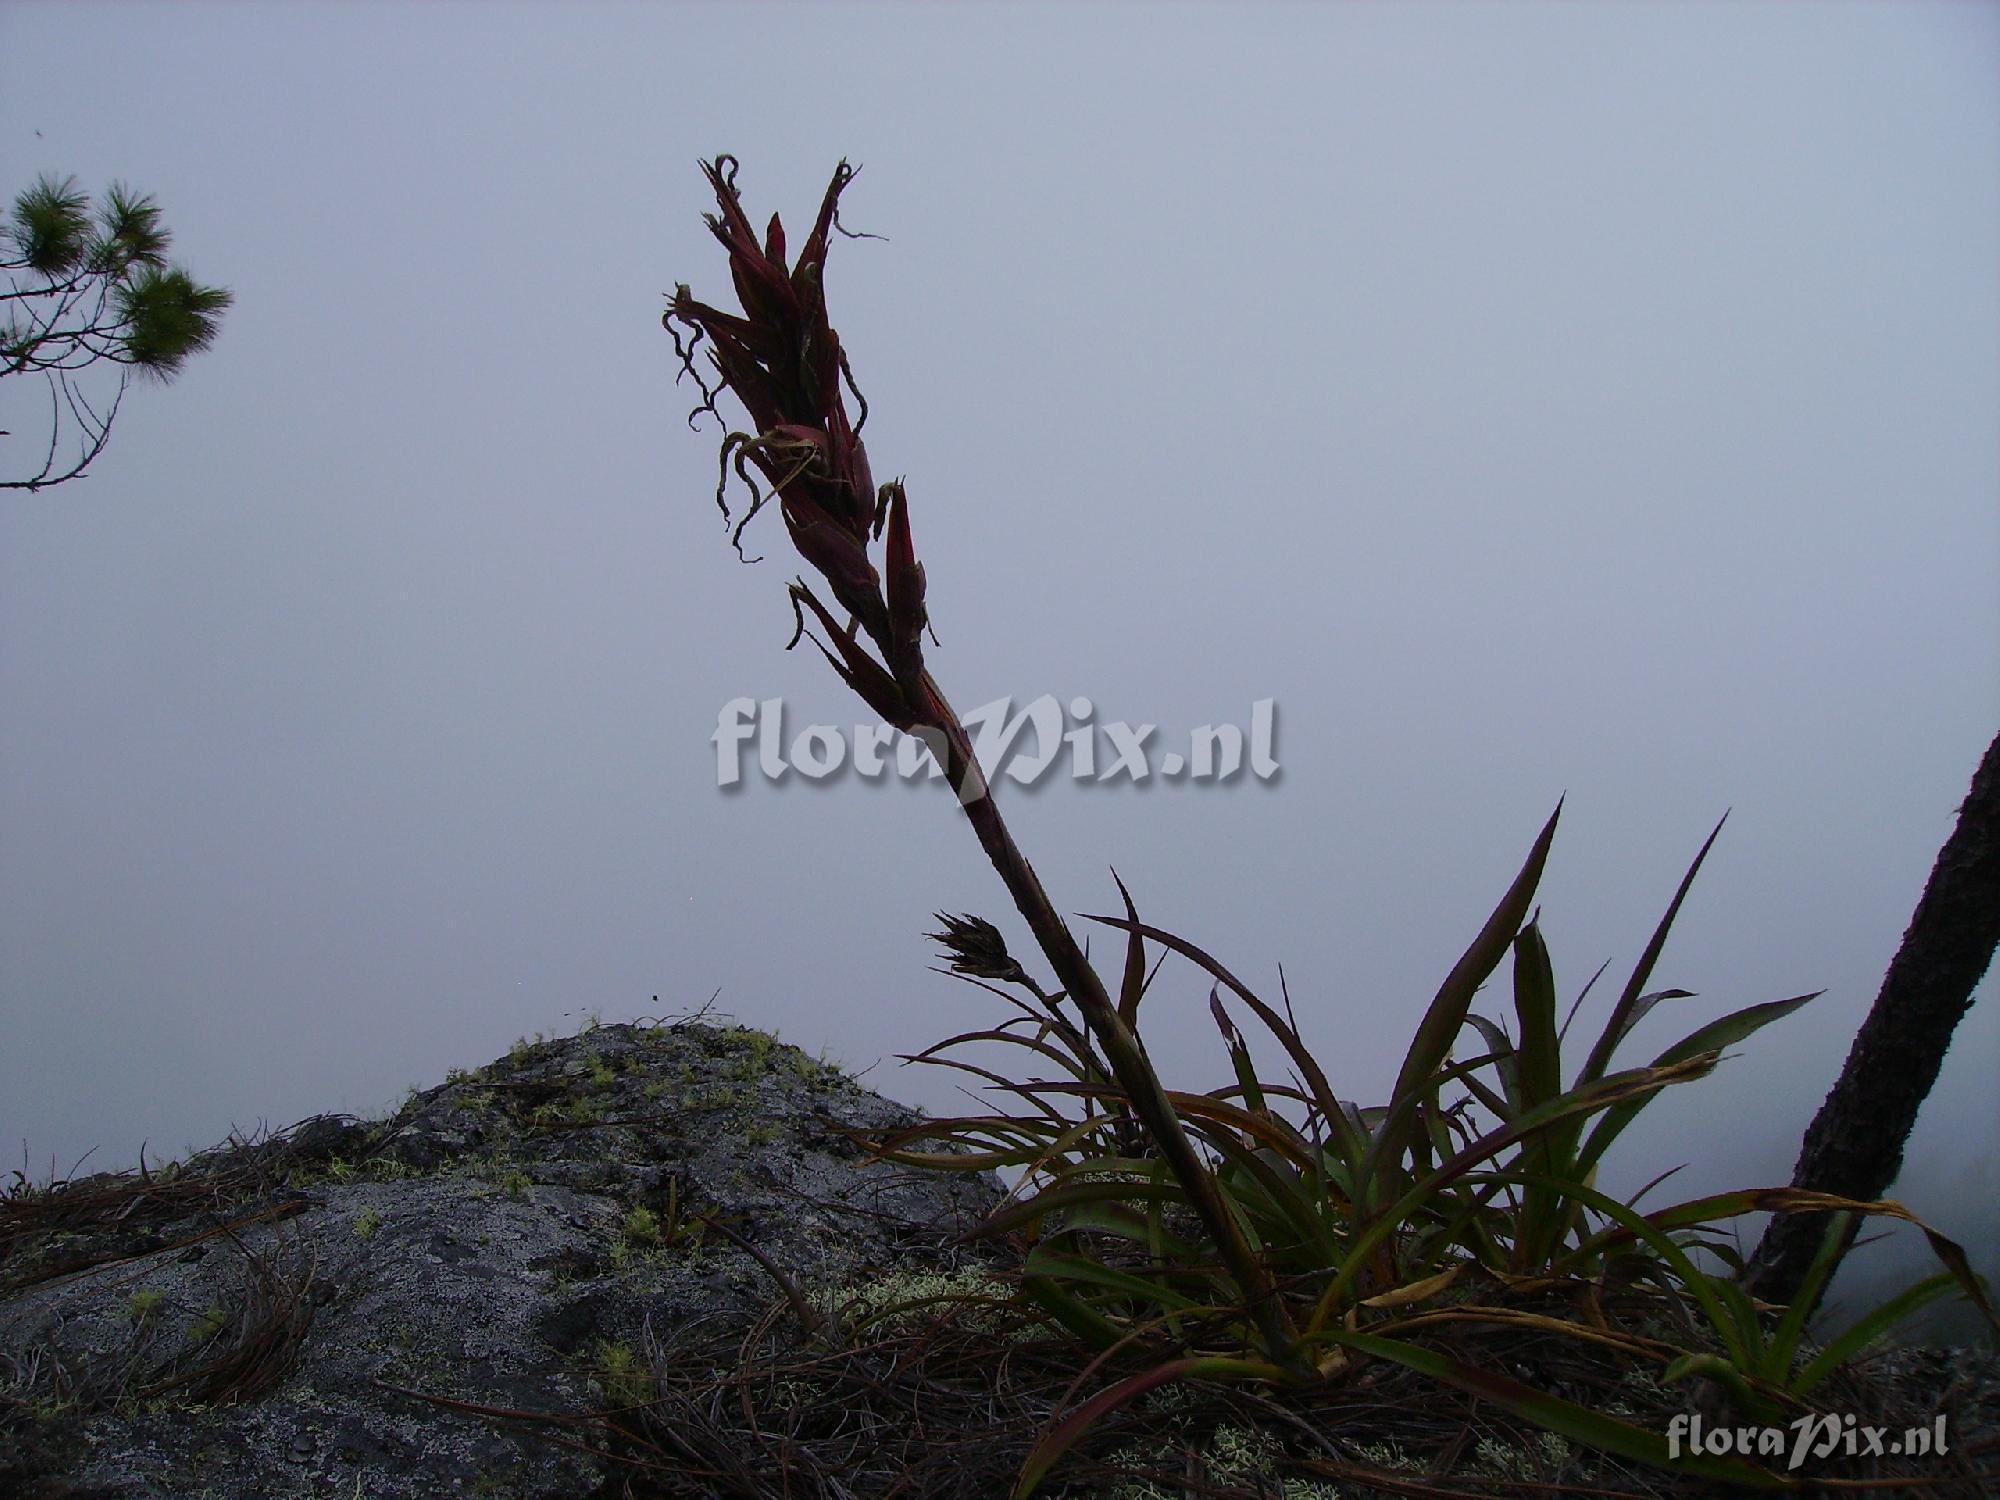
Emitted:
pixel 293 1316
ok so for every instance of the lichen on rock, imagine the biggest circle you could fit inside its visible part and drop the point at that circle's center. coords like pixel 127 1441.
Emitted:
pixel 298 1315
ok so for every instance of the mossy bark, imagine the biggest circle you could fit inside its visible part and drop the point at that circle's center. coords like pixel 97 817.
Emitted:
pixel 1854 1146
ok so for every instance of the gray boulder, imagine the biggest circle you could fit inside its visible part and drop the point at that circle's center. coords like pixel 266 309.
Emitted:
pixel 347 1308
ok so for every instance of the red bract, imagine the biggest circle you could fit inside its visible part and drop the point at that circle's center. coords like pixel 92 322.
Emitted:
pixel 783 361
pixel 907 617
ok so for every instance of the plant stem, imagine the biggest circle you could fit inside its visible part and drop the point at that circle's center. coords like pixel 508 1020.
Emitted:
pixel 1122 1051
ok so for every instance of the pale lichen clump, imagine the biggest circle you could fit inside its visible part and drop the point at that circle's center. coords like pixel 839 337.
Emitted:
pixel 1233 1455
pixel 1541 1454
pixel 906 1301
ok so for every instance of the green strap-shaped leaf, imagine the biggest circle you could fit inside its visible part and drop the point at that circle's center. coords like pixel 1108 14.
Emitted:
pixel 1713 1037
pixel 1440 1026
pixel 1622 1016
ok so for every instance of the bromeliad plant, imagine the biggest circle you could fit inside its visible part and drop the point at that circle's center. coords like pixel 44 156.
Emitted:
pixel 1267 1232
pixel 783 361
pixel 1467 1200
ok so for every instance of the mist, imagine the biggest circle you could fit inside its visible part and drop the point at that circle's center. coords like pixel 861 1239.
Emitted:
pixel 1531 403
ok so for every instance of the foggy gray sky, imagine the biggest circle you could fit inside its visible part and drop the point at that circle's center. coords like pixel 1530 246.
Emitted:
pixel 1531 400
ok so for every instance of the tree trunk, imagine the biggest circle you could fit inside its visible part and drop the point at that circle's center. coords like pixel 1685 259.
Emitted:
pixel 1855 1144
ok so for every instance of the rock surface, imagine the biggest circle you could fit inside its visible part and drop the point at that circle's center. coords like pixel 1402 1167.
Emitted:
pixel 292 1317
pixel 435 1304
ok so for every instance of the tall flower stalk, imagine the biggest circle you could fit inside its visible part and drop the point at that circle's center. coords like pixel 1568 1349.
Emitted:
pixel 783 361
